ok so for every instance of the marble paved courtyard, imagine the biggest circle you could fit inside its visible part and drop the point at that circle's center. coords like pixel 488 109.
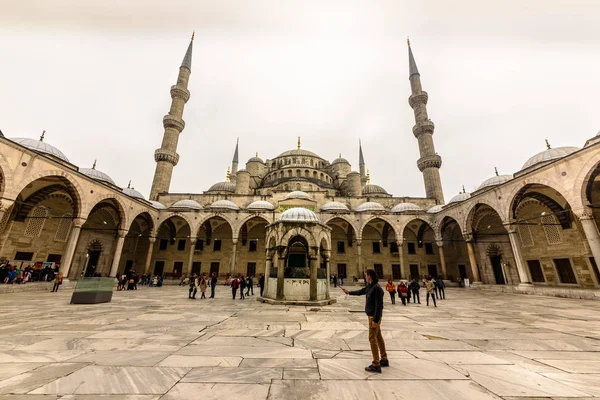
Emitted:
pixel 154 343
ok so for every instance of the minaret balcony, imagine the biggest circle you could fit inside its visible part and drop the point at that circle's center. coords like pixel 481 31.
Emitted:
pixel 167 156
pixel 180 92
pixel 433 161
pixel 171 121
pixel 418 98
pixel 423 127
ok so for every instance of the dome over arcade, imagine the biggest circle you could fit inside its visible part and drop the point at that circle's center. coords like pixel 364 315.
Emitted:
pixel 223 187
pixel 225 204
pixel 186 204
pixel 373 189
pixel 406 207
pixel 335 206
pixel 340 160
pixel 131 192
pixel 549 154
pixel 158 205
pixel 297 194
pixel 460 197
pixel 370 206
pixel 495 181
pixel 96 175
pixel 256 158
pixel 260 205
pixel 39 146
pixel 435 209
pixel 298 214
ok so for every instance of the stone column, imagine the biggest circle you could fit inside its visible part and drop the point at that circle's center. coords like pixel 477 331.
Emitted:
pixel 118 251
pixel 472 259
pixel 233 253
pixel 591 233
pixel 65 265
pixel 516 249
pixel 5 207
pixel 326 254
pixel 440 245
pixel 152 240
pixel 280 276
pixel 191 256
pixel 269 263
pixel 312 266
pixel 403 274
pixel 361 268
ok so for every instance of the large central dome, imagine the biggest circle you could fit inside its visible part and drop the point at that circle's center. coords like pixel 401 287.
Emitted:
pixel 298 152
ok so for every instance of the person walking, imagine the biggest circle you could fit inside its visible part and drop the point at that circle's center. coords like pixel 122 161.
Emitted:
pixel 213 284
pixel 414 288
pixel 391 289
pixel 193 287
pixel 250 286
pixel 430 286
pixel 261 284
pixel 234 287
pixel 242 283
pixel 441 288
pixel 374 311
pixel 57 281
pixel 403 292
pixel 203 286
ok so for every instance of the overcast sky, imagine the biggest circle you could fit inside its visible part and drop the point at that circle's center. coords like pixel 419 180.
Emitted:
pixel 502 76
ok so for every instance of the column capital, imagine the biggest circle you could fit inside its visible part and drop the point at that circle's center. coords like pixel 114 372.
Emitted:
pixel 234 241
pixel 5 204
pixel 78 222
pixel 585 216
pixel 193 239
pixel 469 238
pixel 151 239
pixel 122 233
pixel 440 243
pixel 326 253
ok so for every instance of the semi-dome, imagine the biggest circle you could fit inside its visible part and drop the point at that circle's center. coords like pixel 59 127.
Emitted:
pixel 39 146
pixel 297 152
pixel 406 207
pixel 131 192
pixel 495 181
pixel 370 206
pixel 225 204
pixel 460 197
pixel 435 209
pixel 340 160
pixel 157 205
pixel 549 155
pixel 260 205
pixel 223 187
pixel 97 175
pixel 335 206
pixel 297 194
pixel 186 204
pixel 373 189
pixel 298 214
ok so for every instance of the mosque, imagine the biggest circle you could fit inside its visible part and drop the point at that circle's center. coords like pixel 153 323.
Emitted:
pixel 298 218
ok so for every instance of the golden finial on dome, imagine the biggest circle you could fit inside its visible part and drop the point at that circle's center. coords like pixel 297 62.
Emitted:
pixel 43 134
pixel 496 170
pixel 340 156
pixel 94 166
pixel 257 154
pixel 298 142
pixel 548 144
pixel 129 185
pixel 464 191
pixel 368 177
pixel 227 175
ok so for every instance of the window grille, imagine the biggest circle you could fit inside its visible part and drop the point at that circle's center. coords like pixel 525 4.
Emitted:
pixel 525 235
pixel 64 227
pixel 36 221
pixel 551 229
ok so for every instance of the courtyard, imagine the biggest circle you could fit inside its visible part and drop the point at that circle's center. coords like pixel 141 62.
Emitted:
pixel 155 343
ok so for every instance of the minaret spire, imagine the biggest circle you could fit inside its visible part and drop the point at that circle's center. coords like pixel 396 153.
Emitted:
pixel 166 156
pixel 235 161
pixel 361 162
pixel 430 162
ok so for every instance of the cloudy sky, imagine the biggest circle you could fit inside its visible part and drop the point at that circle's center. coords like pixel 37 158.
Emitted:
pixel 502 76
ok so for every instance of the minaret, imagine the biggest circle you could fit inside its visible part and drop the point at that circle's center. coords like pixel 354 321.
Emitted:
pixel 430 162
pixel 235 161
pixel 166 157
pixel 361 163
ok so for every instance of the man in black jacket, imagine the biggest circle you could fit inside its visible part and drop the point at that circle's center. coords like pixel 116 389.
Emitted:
pixel 374 310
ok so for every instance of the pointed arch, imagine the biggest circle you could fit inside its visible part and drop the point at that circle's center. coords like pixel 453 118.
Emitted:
pixel 111 201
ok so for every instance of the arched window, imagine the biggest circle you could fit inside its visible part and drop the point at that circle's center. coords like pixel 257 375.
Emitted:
pixel 321 176
pixel 303 161
pixel 315 174
pixel 551 229
pixel 290 173
pixel 306 174
pixel 285 187
pixel 297 186
pixel 295 161
pixel 311 162
pixel 36 221
pixel 298 173
pixel 64 227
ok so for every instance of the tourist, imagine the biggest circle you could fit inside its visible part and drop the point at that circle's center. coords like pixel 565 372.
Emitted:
pixel 193 287
pixel 261 284
pixel 441 288
pixel 391 289
pixel 430 286
pixel 436 287
pixel 234 287
pixel 159 282
pixel 213 284
pixel 203 286
pixel 335 282
pixel 57 281
pixel 414 288
pixel 242 283
pixel 403 292
pixel 374 311
pixel 250 284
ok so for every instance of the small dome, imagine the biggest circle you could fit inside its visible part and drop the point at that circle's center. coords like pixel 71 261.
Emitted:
pixel 335 206
pixel 223 187
pixel 340 160
pixel 225 204
pixel 131 192
pixel 157 205
pixel 373 189
pixel 459 197
pixel 298 214
pixel 435 209
pixel 260 205
pixel 186 205
pixel 549 155
pixel 370 206
pixel 297 194
pixel 41 147
pixel 495 181
pixel 353 172
pixel 256 159
pixel 242 170
pixel 97 175
pixel 405 207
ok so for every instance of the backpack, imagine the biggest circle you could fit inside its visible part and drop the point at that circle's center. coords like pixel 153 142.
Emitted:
pixel 234 284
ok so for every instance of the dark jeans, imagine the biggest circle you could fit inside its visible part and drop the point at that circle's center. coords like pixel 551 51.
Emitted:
pixel 193 292
pixel 233 292
pixel 393 297
pixel 241 293
pixel 262 289
pixel 203 295
pixel 212 290
pixel 55 287
pixel 403 299
pixel 416 297
pixel 432 297
pixel 442 293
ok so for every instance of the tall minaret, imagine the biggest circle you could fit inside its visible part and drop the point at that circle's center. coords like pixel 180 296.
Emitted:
pixel 430 162
pixel 166 157
pixel 235 161
pixel 361 163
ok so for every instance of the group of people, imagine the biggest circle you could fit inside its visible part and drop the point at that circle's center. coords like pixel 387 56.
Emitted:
pixel 435 288
pixel 12 274
pixel 128 281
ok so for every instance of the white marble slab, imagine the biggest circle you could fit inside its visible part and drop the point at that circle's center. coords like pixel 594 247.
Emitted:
pixel 575 366
pixel 408 369
pixel 233 375
pixel 124 358
pixel 219 391
pixel 199 361
pixel 26 382
pixel 586 383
